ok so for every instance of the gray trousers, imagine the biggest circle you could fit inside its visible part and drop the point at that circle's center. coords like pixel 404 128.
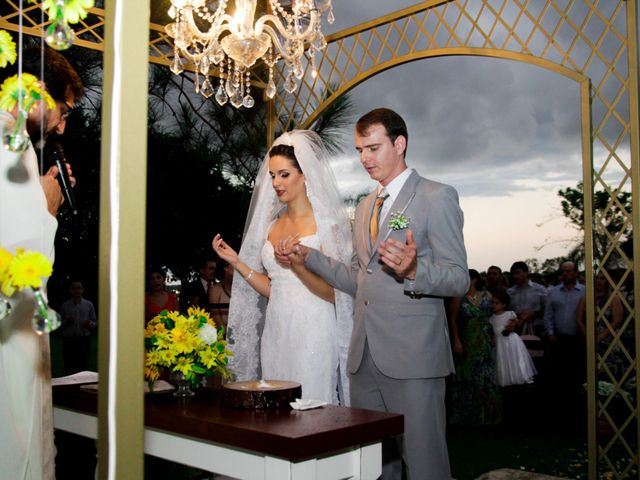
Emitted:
pixel 423 446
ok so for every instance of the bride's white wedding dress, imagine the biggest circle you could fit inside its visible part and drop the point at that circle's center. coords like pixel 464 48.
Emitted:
pixel 299 341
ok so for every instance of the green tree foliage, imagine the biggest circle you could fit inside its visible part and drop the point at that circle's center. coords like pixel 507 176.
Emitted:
pixel 611 221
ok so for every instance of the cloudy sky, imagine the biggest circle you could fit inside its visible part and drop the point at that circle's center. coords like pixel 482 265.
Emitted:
pixel 505 134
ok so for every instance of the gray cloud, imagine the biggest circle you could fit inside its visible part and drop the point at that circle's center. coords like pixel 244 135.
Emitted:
pixel 483 124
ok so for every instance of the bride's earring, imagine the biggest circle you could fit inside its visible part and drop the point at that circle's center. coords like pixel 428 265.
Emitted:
pixel 306 188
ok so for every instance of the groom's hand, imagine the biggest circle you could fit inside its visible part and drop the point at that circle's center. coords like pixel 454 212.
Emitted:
pixel 400 257
pixel 290 251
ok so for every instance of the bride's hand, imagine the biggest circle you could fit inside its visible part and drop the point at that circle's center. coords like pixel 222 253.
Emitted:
pixel 284 248
pixel 224 251
pixel 297 256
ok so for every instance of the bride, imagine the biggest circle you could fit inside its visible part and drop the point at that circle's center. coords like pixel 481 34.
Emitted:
pixel 296 321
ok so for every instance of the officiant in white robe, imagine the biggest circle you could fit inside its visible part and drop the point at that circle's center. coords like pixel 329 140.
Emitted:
pixel 29 203
pixel 26 428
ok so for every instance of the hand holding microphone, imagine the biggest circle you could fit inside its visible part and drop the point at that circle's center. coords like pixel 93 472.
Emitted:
pixel 57 158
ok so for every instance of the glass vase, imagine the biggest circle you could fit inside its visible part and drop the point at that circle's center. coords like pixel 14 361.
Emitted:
pixel 183 386
pixel 45 319
pixel 16 138
pixel 5 307
pixel 59 35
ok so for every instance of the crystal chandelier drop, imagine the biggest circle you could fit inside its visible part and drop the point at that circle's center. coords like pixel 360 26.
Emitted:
pixel 235 43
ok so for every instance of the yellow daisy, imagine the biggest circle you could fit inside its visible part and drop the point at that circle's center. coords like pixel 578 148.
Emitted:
pixel 7 49
pixel 7 287
pixel 184 365
pixel 28 268
pixel 72 11
pixel 151 373
pixel 5 259
pixel 208 358
pixel 29 89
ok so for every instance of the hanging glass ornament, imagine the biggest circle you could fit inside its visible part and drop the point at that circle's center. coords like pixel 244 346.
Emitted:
pixel 45 319
pixel 16 139
pixel 290 84
pixel 221 96
pixel 271 88
pixel 176 65
pixel 59 35
pixel 236 99
pixel 248 101
pixel 206 88
pixel 5 307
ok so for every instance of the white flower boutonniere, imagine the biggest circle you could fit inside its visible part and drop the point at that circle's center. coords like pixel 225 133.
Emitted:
pixel 399 221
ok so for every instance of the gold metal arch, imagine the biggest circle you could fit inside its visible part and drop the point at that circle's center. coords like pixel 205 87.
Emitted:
pixel 595 42
pixel 592 42
pixel 435 53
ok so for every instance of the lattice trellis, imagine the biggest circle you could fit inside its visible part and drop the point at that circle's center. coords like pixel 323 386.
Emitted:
pixel 590 41
pixel 594 42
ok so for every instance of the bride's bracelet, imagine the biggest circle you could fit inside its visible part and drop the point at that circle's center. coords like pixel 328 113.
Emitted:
pixel 249 275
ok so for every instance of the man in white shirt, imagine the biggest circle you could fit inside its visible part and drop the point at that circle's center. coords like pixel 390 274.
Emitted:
pixel 527 297
pixel 78 319
pixel 566 365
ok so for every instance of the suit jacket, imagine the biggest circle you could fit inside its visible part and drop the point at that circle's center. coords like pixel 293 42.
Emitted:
pixel 404 322
pixel 193 293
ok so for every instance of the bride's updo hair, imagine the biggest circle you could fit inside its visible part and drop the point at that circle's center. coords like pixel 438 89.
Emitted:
pixel 286 151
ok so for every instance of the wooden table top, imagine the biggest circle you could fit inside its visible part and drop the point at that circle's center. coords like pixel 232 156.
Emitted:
pixel 286 433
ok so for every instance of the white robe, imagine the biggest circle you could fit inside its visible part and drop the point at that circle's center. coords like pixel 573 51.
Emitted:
pixel 26 423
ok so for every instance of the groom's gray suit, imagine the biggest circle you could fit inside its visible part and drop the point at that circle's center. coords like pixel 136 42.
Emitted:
pixel 400 351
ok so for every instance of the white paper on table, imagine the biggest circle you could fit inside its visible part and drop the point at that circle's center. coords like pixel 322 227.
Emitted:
pixel 158 386
pixel 76 378
pixel 306 404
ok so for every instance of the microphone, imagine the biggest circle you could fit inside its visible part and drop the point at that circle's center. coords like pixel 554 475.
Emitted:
pixel 57 158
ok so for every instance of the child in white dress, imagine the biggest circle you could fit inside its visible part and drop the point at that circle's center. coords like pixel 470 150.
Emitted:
pixel 514 365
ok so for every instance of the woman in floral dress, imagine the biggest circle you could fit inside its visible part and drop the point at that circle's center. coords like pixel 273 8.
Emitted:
pixel 474 397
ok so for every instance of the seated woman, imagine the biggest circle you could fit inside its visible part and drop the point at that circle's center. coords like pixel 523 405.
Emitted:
pixel 158 298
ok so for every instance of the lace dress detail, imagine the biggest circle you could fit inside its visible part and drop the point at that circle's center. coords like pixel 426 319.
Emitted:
pixel 299 341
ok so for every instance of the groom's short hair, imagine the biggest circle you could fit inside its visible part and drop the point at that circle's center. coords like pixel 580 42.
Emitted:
pixel 393 123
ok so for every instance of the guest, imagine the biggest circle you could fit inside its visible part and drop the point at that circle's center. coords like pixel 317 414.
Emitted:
pixel 196 293
pixel 609 318
pixel 527 298
pixel 475 398
pixel 400 352
pixel 158 298
pixel 514 365
pixel 495 279
pixel 565 364
pixel 220 294
pixel 78 320
pixel 306 323
pixel 28 209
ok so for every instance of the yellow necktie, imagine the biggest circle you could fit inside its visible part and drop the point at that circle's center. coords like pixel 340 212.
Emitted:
pixel 375 216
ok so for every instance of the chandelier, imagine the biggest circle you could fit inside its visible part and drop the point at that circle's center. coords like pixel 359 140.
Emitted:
pixel 208 36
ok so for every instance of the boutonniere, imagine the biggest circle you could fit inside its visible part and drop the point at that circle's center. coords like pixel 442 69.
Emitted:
pixel 399 221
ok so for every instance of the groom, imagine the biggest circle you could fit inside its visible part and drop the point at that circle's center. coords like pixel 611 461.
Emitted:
pixel 400 354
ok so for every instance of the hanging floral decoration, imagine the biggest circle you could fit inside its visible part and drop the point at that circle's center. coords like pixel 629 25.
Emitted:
pixel 61 13
pixel 23 271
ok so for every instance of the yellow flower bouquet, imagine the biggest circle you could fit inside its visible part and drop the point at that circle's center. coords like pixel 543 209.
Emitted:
pixel 25 270
pixel 189 345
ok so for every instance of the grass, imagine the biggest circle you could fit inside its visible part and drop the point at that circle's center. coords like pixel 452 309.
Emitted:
pixel 477 450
